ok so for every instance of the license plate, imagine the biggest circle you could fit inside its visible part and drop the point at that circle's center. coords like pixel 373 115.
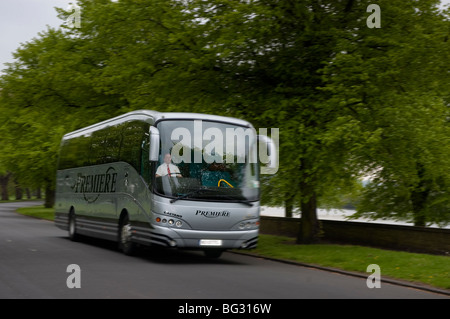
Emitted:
pixel 210 242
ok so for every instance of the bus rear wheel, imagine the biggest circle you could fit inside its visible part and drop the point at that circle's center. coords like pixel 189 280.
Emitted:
pixel 73 236
pixel 125 244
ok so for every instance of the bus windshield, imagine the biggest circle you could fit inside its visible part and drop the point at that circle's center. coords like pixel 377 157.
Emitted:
pixel 206 160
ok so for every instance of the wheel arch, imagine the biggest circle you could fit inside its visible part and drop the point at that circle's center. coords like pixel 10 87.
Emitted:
pixel 123 214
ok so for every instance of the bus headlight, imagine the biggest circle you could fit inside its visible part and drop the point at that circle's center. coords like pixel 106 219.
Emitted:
pixel 244 225
pixel 172 243
pixel 169 222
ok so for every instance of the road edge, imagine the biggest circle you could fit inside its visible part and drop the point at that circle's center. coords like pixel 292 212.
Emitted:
pixel 384 279
pixel 404 283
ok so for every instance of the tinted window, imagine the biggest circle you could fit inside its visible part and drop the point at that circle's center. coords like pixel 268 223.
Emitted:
pixel 127 142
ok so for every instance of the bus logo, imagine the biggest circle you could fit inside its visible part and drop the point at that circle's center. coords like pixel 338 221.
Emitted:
pixel 209 214
pixel 96 184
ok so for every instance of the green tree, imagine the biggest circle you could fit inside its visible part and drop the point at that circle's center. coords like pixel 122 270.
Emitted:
pixel 302 66
pixel 390 85
pixel 264 58
pixel 139 52
pixel 45 93
pixel 348 100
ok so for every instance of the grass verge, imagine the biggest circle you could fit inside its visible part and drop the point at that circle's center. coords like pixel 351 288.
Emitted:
pixel 420 268
pixel 38 212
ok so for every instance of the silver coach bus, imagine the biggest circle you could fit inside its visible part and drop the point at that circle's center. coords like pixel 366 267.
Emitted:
pixel 181 180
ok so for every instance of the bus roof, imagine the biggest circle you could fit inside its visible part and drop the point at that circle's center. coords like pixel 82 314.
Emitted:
pixel 153 117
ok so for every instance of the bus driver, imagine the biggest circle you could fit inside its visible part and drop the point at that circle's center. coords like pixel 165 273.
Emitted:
pixel 167 168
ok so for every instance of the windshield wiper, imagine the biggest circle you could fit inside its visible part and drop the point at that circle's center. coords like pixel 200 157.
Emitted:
pixel 237 200
pixel 187 195
pixel 197 191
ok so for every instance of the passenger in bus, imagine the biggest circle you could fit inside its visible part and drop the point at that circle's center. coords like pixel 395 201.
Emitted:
pixel 167 168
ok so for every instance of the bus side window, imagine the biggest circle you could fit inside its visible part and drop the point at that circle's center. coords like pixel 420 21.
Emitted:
pixel 70 150
pixel 145 163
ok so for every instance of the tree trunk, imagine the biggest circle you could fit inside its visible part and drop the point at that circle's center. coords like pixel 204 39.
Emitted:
pixel 18 190
pixel 288 205
pixel 419 197
pixel 4 179
pixel 49 196
pixel 310 228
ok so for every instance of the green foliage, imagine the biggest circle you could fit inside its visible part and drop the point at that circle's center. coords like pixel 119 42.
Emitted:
pixel 349 101
pixel 391 88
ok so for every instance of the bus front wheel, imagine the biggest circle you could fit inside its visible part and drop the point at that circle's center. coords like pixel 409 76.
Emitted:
pixel 125 244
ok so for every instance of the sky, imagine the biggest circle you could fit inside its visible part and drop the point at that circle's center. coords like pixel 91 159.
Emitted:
pixel 22 20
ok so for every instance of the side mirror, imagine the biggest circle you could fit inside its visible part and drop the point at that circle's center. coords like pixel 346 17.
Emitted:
pixel 268 153
pixel 154 144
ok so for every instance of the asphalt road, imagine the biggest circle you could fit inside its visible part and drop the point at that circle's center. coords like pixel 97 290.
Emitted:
pixel 35 255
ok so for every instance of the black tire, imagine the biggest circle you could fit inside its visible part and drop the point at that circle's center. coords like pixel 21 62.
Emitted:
pixel 73 235
pixel 125 244
pixel 213 253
